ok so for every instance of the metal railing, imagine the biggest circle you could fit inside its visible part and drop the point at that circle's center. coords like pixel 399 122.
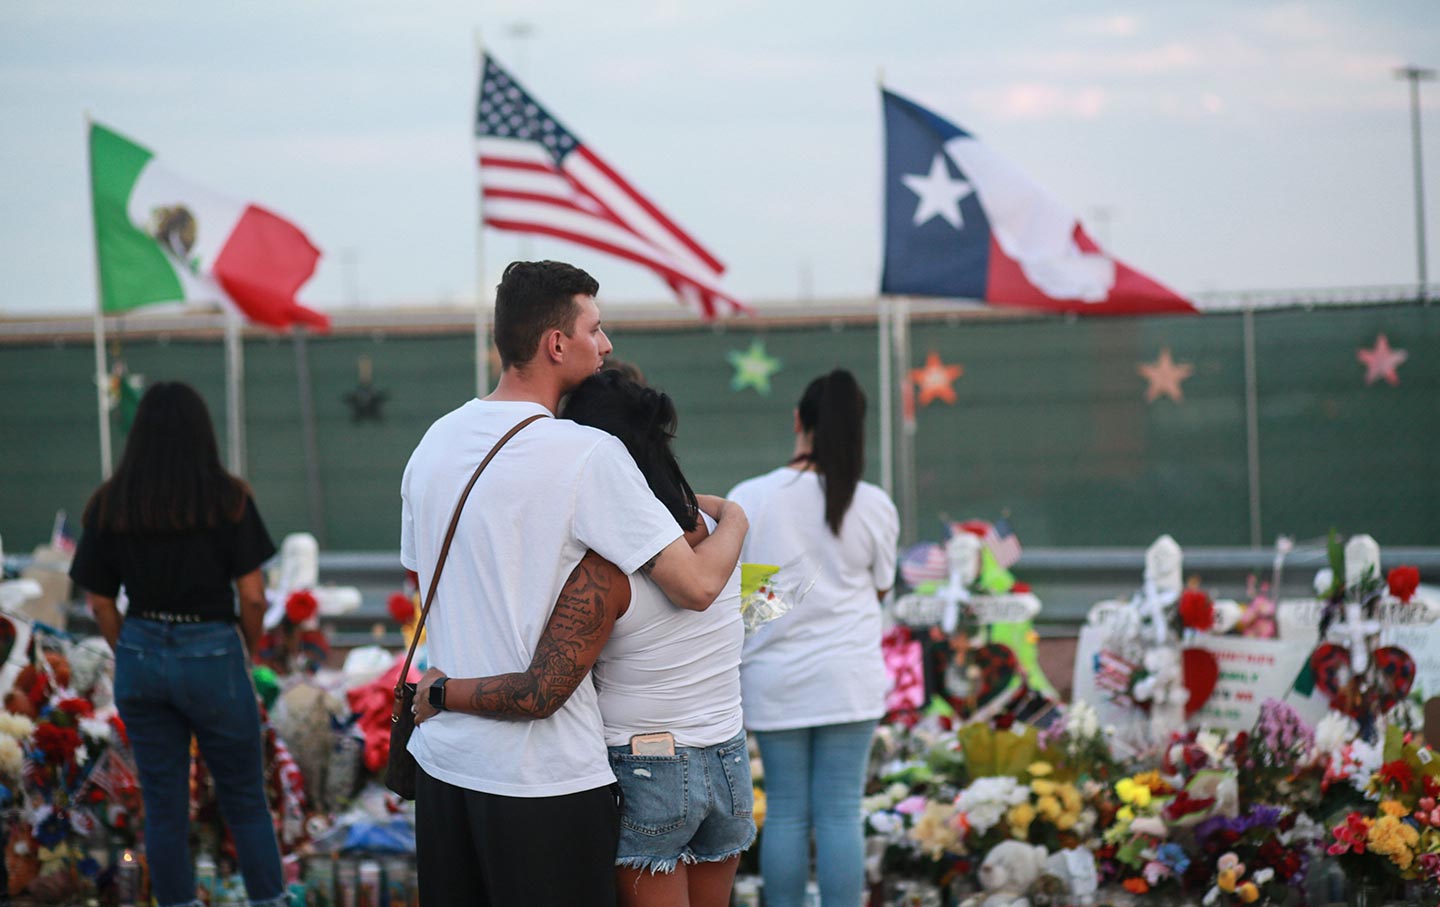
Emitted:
pixel 1066 580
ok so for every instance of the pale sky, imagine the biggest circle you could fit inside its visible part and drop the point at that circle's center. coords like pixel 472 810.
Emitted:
pixel 1226 145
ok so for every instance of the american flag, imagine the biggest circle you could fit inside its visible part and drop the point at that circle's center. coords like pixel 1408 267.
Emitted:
pixel 924 563
pixel 1002 541
pixel 537 177
pixel 62 538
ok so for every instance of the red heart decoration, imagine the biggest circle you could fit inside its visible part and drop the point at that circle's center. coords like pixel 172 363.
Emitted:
pixel 1389 681
pixel 1202 671
pixel 998 667
pixel 1396 675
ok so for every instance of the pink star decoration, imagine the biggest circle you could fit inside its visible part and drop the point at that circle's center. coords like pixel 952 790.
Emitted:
pixel 1164 376
pixel 1381 362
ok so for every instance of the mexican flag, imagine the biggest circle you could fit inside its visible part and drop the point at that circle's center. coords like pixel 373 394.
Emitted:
pixel 161 238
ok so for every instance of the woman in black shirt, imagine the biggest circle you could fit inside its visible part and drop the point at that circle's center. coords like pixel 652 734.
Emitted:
pixel 182 535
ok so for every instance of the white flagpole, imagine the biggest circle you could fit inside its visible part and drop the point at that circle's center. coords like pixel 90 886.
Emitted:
pixel 887 397
pixel 884 323
pixel 482 292
pixel 234 391
pixel 102 377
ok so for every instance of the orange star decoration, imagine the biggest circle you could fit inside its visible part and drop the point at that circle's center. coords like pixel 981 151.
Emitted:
pixel 1164 376
pixel 936 379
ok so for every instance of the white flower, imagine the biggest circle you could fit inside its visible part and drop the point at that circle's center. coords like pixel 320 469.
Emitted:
pixel 887 823
pixel 97 729
pixel 986 801
pixel 1334 731
pixel 17 726
pixel 1083 722
pixel 897 792
pixel 1367 758
pixel 1261 876
pixel 11 759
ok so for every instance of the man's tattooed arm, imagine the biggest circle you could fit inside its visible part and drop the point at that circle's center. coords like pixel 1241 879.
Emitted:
pixel 593 597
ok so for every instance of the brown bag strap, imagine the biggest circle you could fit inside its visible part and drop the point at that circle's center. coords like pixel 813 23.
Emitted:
pixel 445 548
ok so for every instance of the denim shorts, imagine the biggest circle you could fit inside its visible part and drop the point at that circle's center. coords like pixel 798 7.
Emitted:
pixel 694 806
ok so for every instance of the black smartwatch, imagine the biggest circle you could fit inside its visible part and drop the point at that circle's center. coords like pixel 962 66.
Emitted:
pixel 437 694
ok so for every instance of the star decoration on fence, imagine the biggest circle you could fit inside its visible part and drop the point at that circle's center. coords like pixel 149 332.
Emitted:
pixel 935 380
pixel 1164 376
pixel 1381 361
pixel 366 399
pixel 753 368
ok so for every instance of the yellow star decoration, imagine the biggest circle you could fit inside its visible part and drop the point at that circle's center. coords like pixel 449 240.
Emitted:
pixel 753 368
pixel 1164 376
pixel 935 380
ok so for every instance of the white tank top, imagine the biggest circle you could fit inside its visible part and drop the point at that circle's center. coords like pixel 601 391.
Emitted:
pixel 668 669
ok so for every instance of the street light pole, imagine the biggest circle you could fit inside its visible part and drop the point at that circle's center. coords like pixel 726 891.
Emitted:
pixel 1415 75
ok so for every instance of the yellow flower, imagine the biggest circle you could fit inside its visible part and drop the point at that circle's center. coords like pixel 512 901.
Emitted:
pixel 1132 791
pixel 1395 839
pixel 1040 769
pixel 1071 798
pixel 1152 780
pixel 1066 821
pixel 1020 817
pixel 759 812
pixel 1249 893
pixel 1043 786
pixel 1125 814
pixel 1049 807
pixel 1226 880
pixel 1394 808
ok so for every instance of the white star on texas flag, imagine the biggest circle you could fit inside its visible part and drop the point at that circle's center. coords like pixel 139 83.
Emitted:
pixel 940 195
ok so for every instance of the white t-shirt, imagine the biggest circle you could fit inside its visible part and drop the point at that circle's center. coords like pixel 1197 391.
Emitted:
pixel 556 489
pixel 820 663
pixel 669 669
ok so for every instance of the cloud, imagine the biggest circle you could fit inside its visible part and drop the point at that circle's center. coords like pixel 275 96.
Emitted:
pixel 1117 26
pixel 1041 100
pixel 1295 22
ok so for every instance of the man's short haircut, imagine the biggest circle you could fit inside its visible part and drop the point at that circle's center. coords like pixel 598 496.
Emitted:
pixel 534 298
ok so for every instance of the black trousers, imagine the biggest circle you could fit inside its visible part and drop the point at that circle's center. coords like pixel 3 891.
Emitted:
pixel 485 850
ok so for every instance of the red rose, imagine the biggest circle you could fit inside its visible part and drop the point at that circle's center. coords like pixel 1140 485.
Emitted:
pixel 300 606
pixel 96 795
pixel 1004 722
pixel 402 609
pixel 1403 581
pixel 79 708
pixel 1020 588
pixel 1398 773
pixel 57 743
pixel 1196 610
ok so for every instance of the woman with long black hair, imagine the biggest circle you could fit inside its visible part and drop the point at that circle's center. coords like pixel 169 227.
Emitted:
pixel 182 536
pixel 814 680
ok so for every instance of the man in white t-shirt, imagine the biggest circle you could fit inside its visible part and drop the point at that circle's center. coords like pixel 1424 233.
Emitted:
pixel 523 812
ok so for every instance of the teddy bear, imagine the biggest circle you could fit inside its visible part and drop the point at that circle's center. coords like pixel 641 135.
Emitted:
pixel 1007 873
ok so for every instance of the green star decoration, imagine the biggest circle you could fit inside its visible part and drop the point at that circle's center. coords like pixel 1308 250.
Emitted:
pixel 753 368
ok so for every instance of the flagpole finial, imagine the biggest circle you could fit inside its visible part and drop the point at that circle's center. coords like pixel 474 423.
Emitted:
pixel 880 76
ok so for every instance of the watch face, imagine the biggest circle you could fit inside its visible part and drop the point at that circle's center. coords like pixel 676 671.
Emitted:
pixel 437 694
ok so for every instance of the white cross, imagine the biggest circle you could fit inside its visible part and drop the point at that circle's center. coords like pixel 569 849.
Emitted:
pixel 1353 632
pixel 1151 606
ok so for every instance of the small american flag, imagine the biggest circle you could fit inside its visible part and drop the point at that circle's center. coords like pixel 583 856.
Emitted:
pixel 62 539
pixel 537 177
pixel 924 563
pixel 1002 541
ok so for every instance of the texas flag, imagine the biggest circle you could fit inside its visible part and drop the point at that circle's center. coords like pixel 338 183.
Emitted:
pixel 963 222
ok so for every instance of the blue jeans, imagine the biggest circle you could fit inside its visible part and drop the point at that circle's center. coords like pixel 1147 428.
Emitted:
pixel 172 681
pixel 695 806
pixel 814 778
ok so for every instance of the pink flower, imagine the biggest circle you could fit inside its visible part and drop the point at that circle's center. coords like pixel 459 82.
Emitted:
pixel 911 806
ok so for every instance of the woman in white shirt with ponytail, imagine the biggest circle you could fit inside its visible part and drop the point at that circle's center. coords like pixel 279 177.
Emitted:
pixel 814 680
